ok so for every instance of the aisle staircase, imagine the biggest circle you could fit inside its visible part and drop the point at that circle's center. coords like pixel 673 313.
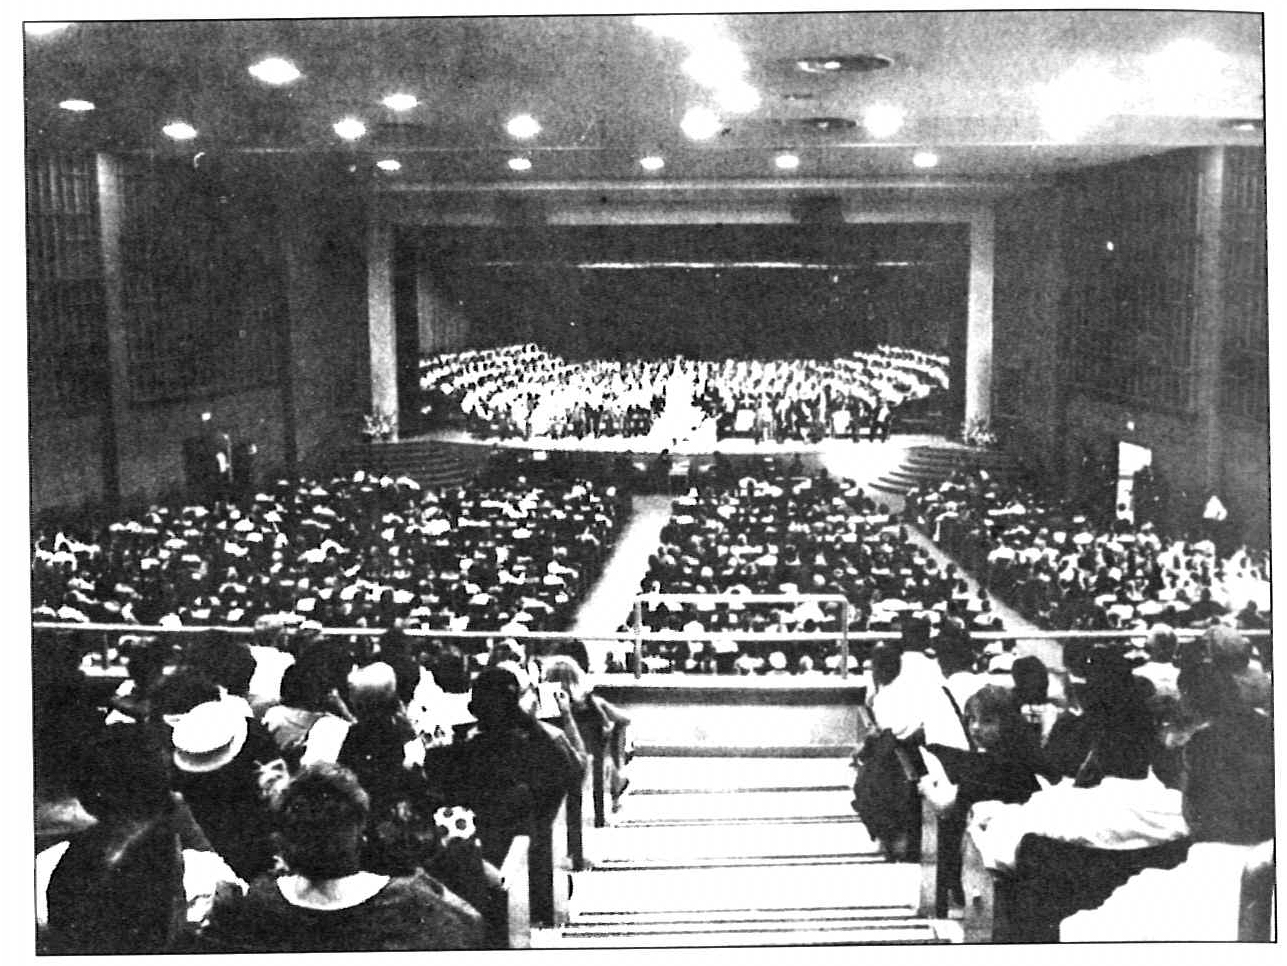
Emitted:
pixel 427 461
pixel 718 852
pixel 932 464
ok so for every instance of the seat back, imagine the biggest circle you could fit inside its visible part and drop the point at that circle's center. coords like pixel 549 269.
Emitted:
pixel 1256 903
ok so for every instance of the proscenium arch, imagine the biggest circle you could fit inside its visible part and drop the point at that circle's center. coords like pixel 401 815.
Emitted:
pixel 617 205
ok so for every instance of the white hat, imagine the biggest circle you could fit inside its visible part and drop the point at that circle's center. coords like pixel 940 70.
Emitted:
pixel 208 737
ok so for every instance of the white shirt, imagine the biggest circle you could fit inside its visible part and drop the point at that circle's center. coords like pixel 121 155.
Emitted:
pixel 1118 813
pixel 1197 901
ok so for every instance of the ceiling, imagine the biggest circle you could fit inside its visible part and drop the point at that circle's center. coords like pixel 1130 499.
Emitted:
pixel 607 91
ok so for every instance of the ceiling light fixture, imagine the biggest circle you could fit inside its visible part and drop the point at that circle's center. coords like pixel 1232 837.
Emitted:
pixel 389 164
pixel 701 123
pixel 1078 100
pixel 350 128
pixel 523 126
pixel 739 98
pixel 77 105
pixel 179 131
pixel 274 70
pixel 400 102
pixel 925 159
pixel 519 164
pixel 883 120
pixel 786 161
pixel 716 63
pixel 45 28
pixel 653 162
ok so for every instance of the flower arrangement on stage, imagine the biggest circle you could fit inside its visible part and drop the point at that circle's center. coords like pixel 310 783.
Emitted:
pixel 978 432
pixel 377 427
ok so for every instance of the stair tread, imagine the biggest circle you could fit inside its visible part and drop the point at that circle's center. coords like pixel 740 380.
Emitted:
pixel 726 774
pixel 902 935
pixel 790 804
pixel 750 840
pixel 765 887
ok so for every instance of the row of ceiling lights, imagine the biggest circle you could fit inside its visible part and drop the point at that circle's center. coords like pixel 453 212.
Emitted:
pixel 784 161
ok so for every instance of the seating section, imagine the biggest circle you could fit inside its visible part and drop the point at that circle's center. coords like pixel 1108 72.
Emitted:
pixel 785 535
pixel 353 551
pixel 1064 570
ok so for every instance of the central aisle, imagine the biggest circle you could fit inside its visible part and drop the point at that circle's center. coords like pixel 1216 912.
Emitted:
pixel 609 603
pixel 749 851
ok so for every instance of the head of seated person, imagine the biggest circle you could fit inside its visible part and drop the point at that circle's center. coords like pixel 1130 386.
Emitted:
pixel 321 815
pixel 1031 680
pixel 886 664
pixel 224 660
pixel 496 698
pixel 178 693
pixel 118 888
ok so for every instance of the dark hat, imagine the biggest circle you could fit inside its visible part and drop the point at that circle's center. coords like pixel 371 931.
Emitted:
pixel 499 681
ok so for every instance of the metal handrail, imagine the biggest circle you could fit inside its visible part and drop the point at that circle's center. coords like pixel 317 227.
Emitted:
pixel 635 634
pixel 661 598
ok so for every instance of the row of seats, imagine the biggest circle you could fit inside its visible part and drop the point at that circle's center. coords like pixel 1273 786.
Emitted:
pixel 1064 571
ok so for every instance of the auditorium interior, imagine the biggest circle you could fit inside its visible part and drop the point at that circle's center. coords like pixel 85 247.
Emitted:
pixel 663 481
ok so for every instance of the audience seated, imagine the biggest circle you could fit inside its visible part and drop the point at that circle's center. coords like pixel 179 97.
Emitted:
pixel 784 535
pixel 359 551
pixel 326 901
pixel 1054 565
pixel 1228 805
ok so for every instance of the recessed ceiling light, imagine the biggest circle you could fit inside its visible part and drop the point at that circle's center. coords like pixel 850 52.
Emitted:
pixel 925 159
pixel 883 120
pixel 179 131
pixel 350 128
pixel 523 126
pixel 786 161
pixel 700 123
pixel 76 104
pixel 45 28
pixel 652 162
pixel 840 63
pixel 716 63
pixel 400 102
pixel 519 164
pixel 740 98
pixel 275 71
pixel 389 164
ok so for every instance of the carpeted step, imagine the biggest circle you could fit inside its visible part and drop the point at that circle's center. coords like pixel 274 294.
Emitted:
pixel 900 932
pixel 731 806
pixel 768 887
pixel 672 774
pixel 638 845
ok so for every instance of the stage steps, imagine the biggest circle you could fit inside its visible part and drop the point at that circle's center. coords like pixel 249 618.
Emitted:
pixel 932 464
pixel 427 461
pixel 737 852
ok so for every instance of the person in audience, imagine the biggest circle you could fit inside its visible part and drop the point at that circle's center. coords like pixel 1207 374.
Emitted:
pixel 217 768
pixel 1160 669
pixel 596 717
pixel 382 748
pixel 511 766
pixel 955 657
pixel 1228 805
pixel 1116 803
pixel 912 703
pixel 142 874
pixel 326 901
pixel 1032 692
pixel 303 726
pixel 1231 653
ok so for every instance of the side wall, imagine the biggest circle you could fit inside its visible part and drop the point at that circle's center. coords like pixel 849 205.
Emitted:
pixel 1112 294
